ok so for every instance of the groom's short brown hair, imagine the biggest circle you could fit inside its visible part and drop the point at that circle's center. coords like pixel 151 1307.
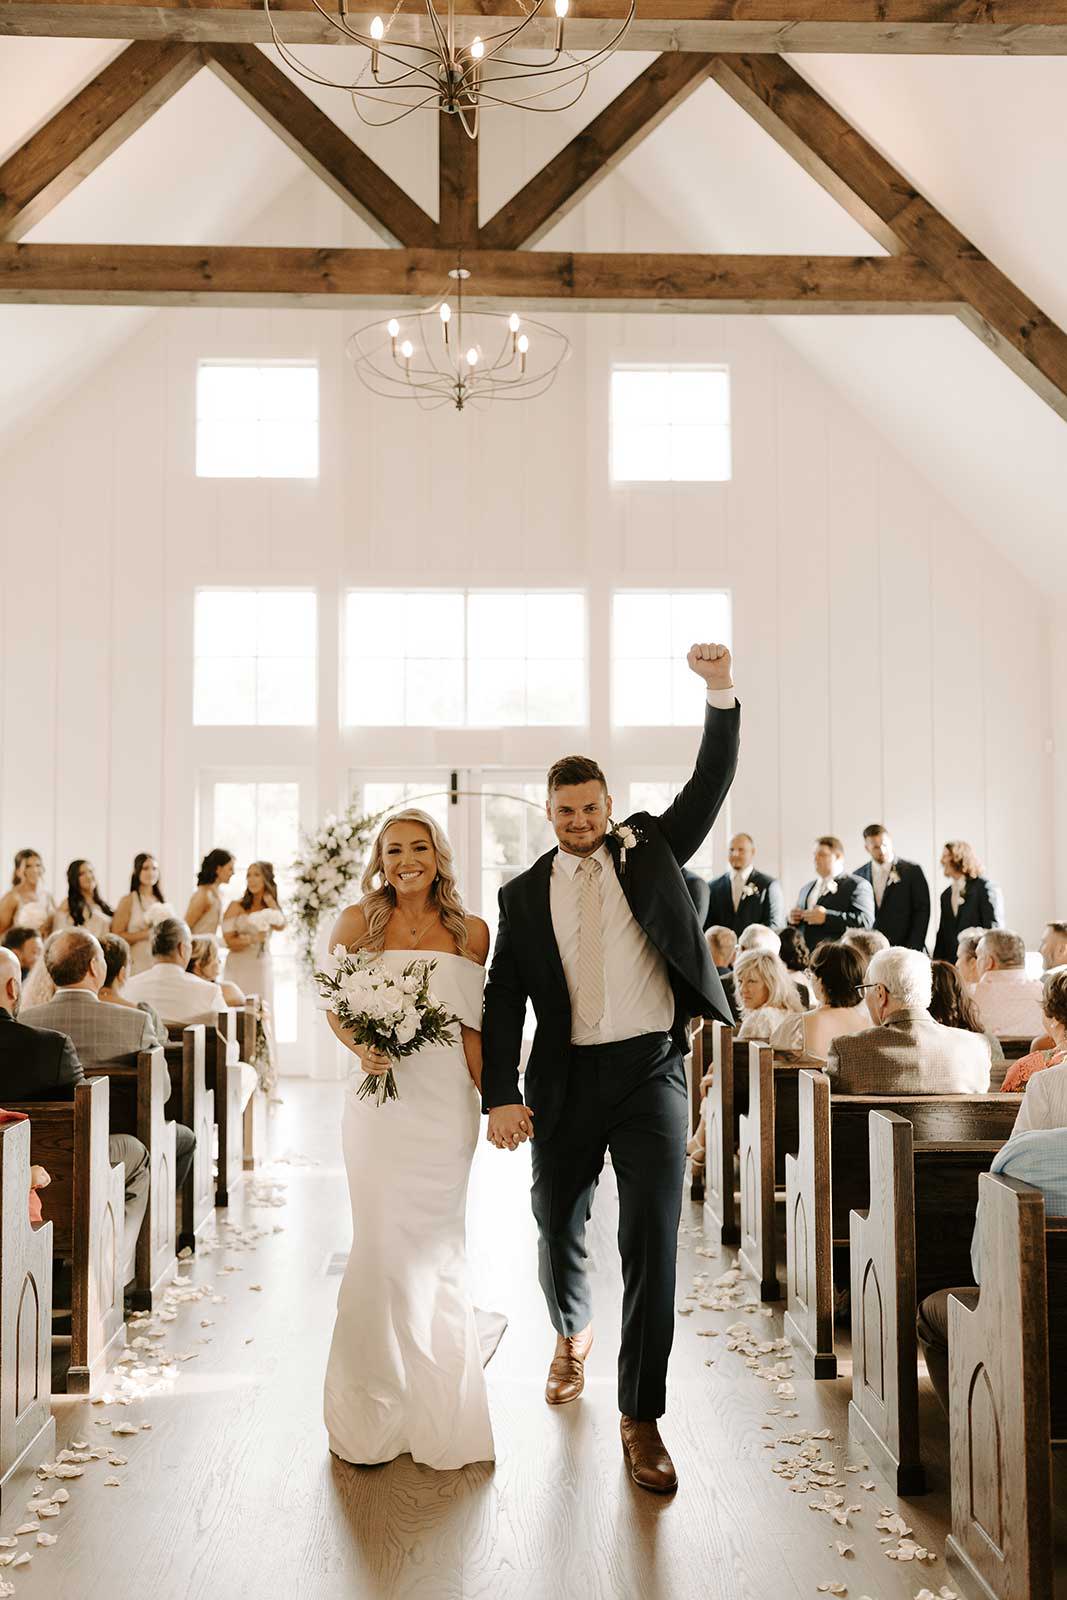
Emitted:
pixel 574 769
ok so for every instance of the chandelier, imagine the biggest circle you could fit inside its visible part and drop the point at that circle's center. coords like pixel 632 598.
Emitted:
pixel 450 355
pixel 459 79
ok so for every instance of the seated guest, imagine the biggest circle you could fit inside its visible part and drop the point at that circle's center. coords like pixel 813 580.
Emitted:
pixel 102 1034
pixel 757 936
pixel 866 942
pixel 836 973
pixel 27 945
pixel 1037 1158
pixel 1053 946
pixel 833 900
pixel 698 893
pixel 722 943
pixel 767 994
pixel 967 957
pixel 84 906
pixel 744 895
pixel 954 1007
pixel 1054 1027
pixel 177 994
pixel 204 963
pixel 1008 1002
pixel 970 901
pixel 901 892
pixel 37 1063
pixel 117 956
pixel 794 954
pixel 906 1052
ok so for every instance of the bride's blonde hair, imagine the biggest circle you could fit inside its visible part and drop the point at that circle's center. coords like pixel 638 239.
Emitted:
pixel 379 896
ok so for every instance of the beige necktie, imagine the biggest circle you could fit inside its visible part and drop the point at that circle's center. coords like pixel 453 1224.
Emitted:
pixel 590 945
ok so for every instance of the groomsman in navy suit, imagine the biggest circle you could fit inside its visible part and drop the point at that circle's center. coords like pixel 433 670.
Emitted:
pixel 901 892
pixel 833 900
pixel 743 895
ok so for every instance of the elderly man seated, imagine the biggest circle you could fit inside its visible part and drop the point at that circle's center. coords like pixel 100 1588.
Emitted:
pixel 1008 1002
pixel 179 996
pixel 722 943
pixel 102 1034
pixel 40 1063
pixel 906 1052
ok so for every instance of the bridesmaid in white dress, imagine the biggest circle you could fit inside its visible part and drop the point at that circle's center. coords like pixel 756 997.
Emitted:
pixel 204 913
pixel 27 904
pixel 84 907
pixel 247 928
pixel 405 1372
pixel 138 912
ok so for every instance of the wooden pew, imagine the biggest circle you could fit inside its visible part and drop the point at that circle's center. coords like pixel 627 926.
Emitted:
pixel 138 1107
pixel 254 1129
pixel 696 1072
pixel 830 1177
pixel 27 1427
pixel 720 1129
pixel 187 1065
pixel 915 1237
pixel 224 1079
pixel 85 1205
pixel 1008 1397
pixel 767 1131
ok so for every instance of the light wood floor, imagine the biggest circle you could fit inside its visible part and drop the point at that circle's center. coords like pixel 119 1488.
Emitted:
pixel 232 1491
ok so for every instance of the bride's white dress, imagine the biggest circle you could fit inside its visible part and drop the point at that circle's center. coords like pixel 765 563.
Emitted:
pixel 406 1364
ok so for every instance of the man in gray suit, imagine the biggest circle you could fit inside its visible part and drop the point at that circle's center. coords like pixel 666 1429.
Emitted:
pixel 906 1052
pixel 101 1034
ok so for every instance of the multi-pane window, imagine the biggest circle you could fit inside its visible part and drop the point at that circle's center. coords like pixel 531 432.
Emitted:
pixel 465 658
pixel 255 657
pixel 257 421
pixel 670 424
pixel 655 796
pixel 515 831
pixel 651 632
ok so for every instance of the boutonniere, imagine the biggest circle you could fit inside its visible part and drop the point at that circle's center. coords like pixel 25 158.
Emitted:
pixel 831 887
pixel 894 877
pixel 749 889
pixel 627 838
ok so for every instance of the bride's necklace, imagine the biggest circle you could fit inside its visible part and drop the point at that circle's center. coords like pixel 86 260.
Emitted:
pixel 413 930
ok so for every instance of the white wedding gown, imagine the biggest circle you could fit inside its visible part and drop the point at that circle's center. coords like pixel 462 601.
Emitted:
pixel 406 1363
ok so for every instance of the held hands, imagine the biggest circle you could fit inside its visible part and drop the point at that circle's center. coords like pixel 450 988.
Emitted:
pixel 713 663
pixel 510 1126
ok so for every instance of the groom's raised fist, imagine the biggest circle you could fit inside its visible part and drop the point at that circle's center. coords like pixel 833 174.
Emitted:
pixel 713 663
pixel 510 1126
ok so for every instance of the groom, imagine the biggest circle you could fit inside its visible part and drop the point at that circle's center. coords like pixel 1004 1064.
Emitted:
pixel 602 936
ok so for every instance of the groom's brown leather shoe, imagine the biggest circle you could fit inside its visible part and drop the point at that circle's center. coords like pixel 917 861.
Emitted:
pixel 566 1374
pixel 646 1456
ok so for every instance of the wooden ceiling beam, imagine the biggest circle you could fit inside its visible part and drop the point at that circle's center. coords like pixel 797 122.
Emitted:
pixel 884 202
pixel 321 144
pixel 84 132
pixel 233 275
pixel 457 183
pixel 596 151
pixel 950 27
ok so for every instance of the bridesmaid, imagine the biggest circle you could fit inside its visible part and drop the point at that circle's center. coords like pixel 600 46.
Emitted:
pixel 204 913
pixel 83 907
pixel 27 904
pixel 138 912
pixel 247 928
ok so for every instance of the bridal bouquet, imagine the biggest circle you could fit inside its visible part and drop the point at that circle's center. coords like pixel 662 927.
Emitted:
pixel 394 1013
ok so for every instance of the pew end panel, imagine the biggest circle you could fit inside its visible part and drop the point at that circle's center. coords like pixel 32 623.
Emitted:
pixel 224 1076
pixel 696 1072
pixel 27 1427
pixel 809 1317
pixel 187 1060
pixel 1001 1539
pixel 720 1202
pixel 884 1411
pixel 757 1256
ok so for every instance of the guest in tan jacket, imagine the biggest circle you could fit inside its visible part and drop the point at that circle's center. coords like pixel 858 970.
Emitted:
pixel 906 1052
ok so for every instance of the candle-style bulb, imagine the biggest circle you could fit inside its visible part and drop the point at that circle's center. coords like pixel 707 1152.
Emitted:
pixel 477 48
pixel 407 349
pixel 562 7
pixel 513 322
pixel 524 344
pixel 446 312
pixel 394 328
pixel 472 357
pixel 377 27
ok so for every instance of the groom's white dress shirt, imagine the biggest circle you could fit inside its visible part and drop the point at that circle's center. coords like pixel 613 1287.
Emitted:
pixel 637 992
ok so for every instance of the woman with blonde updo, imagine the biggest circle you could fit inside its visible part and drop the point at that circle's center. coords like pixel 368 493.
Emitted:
pixel 405 1367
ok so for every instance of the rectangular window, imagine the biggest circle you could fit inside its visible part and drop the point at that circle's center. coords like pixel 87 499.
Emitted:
pixel 515 831
pixel 670 425
pixel 465 659
pixel 257 421
pixel 656 796
pixel 651 632
pixel 255 654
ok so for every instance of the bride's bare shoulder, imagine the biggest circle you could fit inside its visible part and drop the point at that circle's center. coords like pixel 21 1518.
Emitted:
pixel 477 939
pixel 349 928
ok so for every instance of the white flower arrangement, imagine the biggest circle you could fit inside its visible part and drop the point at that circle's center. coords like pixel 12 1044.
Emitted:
pixel 627 838
pixel 894 877
pixel 831 888
pixel 330 861
pixel 749 891
pixel 395 1014
pixel 264 921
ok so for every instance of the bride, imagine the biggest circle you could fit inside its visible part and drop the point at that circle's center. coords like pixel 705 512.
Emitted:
pixel 405 1368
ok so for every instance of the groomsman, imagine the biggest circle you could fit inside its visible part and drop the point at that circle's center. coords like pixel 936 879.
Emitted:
pixel 743 895
pixel 833 900
pixel 901 892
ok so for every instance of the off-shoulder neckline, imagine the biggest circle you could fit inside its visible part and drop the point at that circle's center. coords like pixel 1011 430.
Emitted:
pixel 426 955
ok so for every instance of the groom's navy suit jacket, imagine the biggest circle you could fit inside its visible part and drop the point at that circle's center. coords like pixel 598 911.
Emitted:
pixel 904 914
pixel 526 960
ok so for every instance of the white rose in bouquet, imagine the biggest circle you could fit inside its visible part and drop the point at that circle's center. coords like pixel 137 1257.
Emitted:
pixel 395 1014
